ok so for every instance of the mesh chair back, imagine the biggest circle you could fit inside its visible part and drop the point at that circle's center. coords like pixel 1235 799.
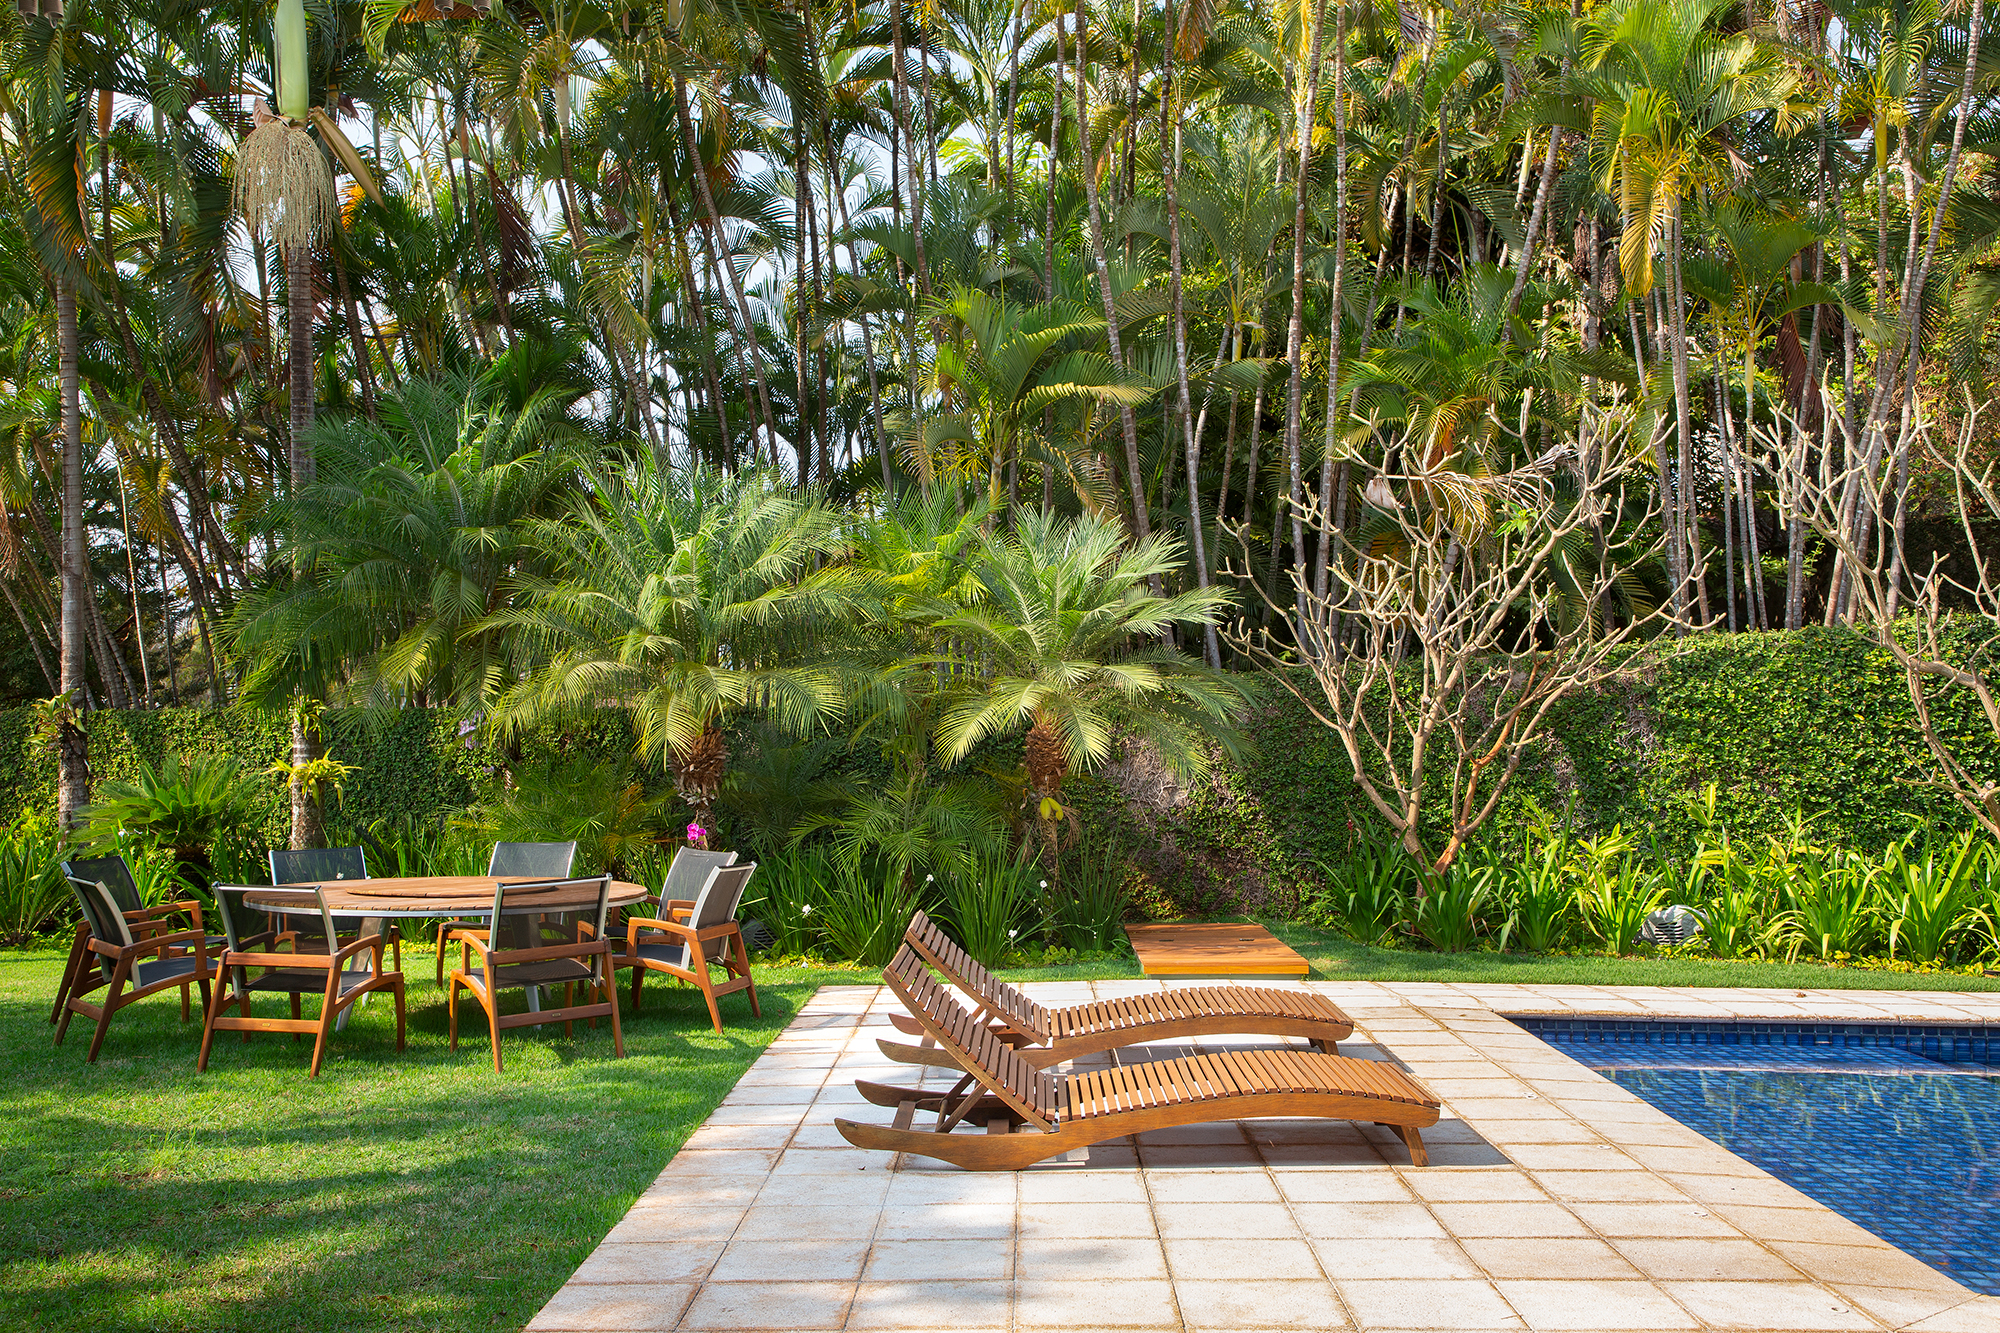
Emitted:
pixel 718 902
pixel 113 874
pixel 689 872
pixel 542 908
pixel 318 865
pixel 101 910
pixel 546 860
pixel 249 929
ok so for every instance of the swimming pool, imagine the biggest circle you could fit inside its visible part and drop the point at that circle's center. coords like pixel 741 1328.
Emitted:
pixel 1895 1127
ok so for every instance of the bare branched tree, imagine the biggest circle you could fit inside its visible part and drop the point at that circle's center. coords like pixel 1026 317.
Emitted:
pixel 1468 606
pixel 1940 622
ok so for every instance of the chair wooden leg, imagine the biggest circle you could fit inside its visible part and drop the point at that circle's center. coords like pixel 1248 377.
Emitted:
pixel 442 928
pixel 492 1006
pixel 708 993
pixel 216 1004
pixel 743 957
pixel 296 1011
pixel 62 1025
pixel 104 1020
pixel 245 1006
pixel 184 1002
pixel 451 1009
pixel 569 1002
pixel 327 1013
pixel 398 988
pixel 71 969
pixel 638 980
pixel 611 994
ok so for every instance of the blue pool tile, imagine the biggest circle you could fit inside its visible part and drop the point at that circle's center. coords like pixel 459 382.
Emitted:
pixel 1895 1126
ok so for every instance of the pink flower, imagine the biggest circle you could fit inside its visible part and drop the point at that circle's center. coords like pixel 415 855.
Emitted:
pixel 697 836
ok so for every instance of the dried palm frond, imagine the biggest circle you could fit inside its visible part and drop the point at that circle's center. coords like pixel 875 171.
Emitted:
pixel 283 185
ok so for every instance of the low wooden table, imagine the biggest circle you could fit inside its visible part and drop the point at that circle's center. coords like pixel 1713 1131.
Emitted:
pixel 1178 949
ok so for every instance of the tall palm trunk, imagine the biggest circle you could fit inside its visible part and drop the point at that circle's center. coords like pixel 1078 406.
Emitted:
pixel 711 235
pixel 1170 169
pixel 1296 329
pixel 307 825
pixel 1330 502
pixel 72 755
pixel 1142 525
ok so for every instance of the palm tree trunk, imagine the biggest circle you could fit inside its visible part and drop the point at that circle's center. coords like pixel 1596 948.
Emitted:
pixel 1142 526
pixel 306 822
pixel 1295 330
pixel 72 756
pixel 1330 508
pixel 1683 420
pixel 710 236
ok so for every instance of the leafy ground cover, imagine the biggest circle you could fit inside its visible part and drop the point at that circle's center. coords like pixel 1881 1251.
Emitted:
pixel 421 1191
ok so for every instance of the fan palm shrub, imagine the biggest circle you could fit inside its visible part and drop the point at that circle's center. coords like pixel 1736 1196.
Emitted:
pixel 1068 645
pixel 691 597
pixel 183 806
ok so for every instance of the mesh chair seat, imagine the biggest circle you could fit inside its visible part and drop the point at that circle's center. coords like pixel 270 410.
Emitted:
pixel 304 981
pixel 657 950
pixel 153 971
pixel 548 972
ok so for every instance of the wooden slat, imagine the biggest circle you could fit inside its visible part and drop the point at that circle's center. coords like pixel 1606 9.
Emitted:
pixel 1213 950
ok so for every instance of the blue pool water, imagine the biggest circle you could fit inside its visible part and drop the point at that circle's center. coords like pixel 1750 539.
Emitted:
pixel 1895 1127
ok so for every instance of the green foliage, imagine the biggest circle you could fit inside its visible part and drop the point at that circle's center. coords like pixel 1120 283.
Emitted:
pixel 1929 893
pixel 1088 905
pixel 792 884
pixel 1539 893
pixel 33 894
pixel 1615 898
pixel 604 808
pixel 1828 902
pixel 1366 892
pixel 863 915
pixel 182 806
pixel 1449 915
pixel 991 901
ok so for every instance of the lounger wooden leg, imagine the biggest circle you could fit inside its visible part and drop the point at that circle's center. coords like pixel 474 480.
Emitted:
pixel 1414 1141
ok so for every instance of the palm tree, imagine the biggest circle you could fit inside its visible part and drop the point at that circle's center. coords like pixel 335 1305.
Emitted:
pixel 1667 92
pixel 688 597
pixel 405 544
pixel 1067 642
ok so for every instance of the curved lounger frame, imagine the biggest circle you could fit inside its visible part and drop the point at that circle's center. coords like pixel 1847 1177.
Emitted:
pixel 1048 1037
pixel 1030 1114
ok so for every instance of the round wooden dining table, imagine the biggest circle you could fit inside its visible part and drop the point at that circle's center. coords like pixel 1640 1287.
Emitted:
pixel 375 900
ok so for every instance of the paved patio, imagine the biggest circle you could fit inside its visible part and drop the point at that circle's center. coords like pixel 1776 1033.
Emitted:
pixel 1555 1200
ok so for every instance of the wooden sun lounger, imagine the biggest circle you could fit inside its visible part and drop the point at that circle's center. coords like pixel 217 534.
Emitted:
pixel 1053 1036
pixel 1030 1113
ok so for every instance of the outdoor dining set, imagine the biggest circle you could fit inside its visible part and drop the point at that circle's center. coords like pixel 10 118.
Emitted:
pixel 325 927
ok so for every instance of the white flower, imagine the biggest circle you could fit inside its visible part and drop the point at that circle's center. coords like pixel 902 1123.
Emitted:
pixel 1012 933
pixel 1045 884
pixel 929 878
pixel 807 910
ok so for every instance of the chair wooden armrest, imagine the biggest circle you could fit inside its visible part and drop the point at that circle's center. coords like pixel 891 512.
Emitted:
pixel 362 945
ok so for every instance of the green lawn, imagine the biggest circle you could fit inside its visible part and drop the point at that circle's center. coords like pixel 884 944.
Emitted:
pixel 413 1191
pixel 421 1191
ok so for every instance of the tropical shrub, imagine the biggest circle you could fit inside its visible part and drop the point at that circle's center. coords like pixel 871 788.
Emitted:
pixel 1829 902
pixel 1364 893
pixel 1538 894
pixel 1614 898
pixel 1088 907
pixel 992 902
pixel 865 911
pixel 33 894
pixel 789 894
pixel 1449 915
pixel 183 806
pixel 1928 895
pixel 604 808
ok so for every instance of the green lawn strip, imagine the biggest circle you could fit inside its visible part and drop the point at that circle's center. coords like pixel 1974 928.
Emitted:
pixel 412 1191
pixel 1335 958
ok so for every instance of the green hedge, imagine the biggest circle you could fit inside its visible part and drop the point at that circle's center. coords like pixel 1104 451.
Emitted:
pixel 1817 722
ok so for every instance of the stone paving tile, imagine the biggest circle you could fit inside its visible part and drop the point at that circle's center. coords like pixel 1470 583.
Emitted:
pixel 1555 1200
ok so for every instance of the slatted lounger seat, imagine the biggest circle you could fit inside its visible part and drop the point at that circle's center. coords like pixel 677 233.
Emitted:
pixel 1059 1035
pixel 1030 1113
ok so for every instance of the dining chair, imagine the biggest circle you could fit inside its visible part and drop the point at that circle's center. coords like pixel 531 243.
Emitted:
pixel 131 965
pixel 692 936
pixel 116 877
pixel 330 865
pixel 255 963
pixel 543 860
pixel 564 945
pixel 686 874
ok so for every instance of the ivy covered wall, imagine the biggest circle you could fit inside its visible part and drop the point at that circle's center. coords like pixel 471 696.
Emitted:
pixel 1816 722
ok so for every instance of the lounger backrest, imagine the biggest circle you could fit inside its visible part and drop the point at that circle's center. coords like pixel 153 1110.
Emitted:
pixel 993 1063
pixel 942 952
